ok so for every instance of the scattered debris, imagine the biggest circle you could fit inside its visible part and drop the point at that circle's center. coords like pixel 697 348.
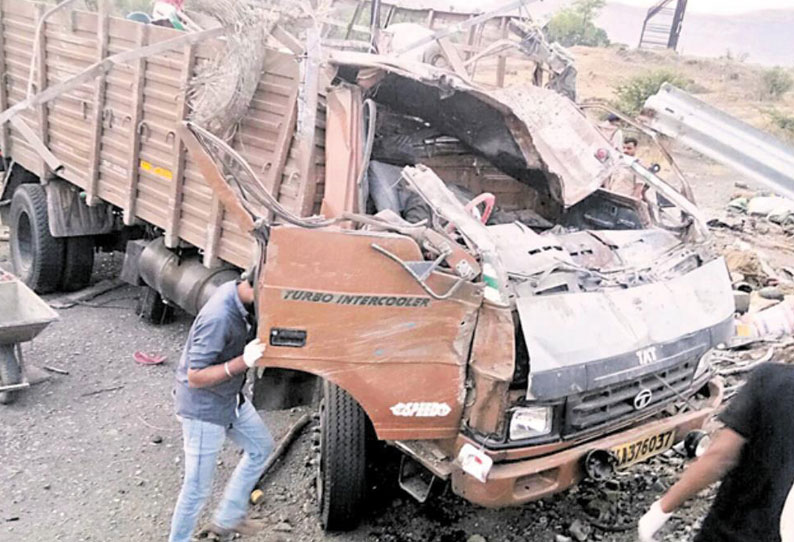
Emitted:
pixel 772 321
pixel 283 445
pixel 747 367
pixel 256 496
pixel 101 390
pixel 746 263
pixel 283 527
pixel 143 358
pixel 52 369
pixel 580 530
pixel 771 292
pixel 78 298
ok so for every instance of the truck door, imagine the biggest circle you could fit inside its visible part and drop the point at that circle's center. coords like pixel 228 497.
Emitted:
pixel 332 305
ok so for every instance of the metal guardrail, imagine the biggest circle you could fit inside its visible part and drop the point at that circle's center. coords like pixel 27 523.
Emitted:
pixel 723 138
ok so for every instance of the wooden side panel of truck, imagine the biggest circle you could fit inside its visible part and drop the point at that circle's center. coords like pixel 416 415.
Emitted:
pixel 115 134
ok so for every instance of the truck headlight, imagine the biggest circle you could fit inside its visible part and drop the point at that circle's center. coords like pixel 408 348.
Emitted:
pixel 528 422
pixel 704 364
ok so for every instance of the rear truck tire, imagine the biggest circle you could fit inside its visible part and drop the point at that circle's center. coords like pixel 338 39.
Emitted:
pixel 10 373
pixel 151 306
pixel 36 255
pixel 78 263
pixel 341 480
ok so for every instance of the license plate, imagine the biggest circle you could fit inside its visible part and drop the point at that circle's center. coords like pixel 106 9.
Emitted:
pixel 641 449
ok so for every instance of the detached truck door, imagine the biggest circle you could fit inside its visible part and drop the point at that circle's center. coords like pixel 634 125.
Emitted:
pixel 331 305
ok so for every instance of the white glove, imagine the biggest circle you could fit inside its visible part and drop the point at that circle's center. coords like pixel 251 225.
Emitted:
pixel 253 352
pixel 653 520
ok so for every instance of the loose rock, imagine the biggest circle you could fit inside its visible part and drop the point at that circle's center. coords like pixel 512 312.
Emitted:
pixel 283 527
pixel 580 530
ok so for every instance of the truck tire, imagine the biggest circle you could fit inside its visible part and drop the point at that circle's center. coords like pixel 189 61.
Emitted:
pixel 36 255
pixel 151 306
pixel 341 480
pixel 10 373
pixel 78 263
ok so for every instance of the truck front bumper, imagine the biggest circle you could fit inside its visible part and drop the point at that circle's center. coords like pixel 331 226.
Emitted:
pixel 518 482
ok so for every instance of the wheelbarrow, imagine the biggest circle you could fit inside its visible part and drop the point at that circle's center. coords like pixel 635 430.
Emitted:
pixel 23 315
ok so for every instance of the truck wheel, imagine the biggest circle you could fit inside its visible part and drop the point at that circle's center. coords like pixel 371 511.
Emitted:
pixel 78 263
pixel 36 255
pixel 151 306
pixel 10 373
pixel 341 480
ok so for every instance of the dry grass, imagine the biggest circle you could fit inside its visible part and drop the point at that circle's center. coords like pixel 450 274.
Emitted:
pixel 730 85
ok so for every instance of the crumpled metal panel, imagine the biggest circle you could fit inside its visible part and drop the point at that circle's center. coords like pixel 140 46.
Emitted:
pixel 565 333
pixel 565 139
pixel 532 134
pixel 719 136
pixel 525 253
pixel 638 247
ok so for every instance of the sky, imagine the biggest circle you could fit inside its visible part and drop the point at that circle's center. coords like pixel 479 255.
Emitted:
pixel 720 7
pixel 716 7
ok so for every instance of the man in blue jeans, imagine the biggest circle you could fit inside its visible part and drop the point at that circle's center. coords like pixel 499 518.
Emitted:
pixel 211 406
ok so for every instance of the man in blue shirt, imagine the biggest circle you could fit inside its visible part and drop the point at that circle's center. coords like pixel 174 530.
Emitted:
pixel 211 406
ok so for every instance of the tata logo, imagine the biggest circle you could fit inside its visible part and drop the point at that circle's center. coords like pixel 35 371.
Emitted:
pixel 643 399
pixel 647 355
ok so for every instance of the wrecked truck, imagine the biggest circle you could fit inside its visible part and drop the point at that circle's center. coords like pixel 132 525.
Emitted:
pixel 563 336
pixel 437 257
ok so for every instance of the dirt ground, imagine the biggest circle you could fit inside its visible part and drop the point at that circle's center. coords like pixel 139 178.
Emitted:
pixel 96 454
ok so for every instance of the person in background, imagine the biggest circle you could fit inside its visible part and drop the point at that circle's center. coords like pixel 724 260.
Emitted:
pixel 630 145
pixel 624 181
pixel 211 406
pixel 754 457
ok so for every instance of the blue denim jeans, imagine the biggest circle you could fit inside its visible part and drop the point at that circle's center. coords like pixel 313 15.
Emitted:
pixel 203 441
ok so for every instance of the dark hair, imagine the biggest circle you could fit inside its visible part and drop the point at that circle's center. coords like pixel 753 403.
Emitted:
pixel 631 140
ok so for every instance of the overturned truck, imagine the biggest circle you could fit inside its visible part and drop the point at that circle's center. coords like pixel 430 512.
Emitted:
pixel 437 256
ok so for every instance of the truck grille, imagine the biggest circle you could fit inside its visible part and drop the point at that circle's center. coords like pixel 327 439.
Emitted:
pixel 593 409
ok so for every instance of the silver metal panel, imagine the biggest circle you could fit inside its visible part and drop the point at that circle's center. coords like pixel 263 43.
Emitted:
pixel 723 138
pixel 524 252
pixel 566 330
pixel 24 313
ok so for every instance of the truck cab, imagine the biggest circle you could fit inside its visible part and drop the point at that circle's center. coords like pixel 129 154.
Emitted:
pixel 482 303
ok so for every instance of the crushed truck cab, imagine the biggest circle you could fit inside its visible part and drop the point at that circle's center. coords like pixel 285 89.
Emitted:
pixel 563 332
pixel 440 264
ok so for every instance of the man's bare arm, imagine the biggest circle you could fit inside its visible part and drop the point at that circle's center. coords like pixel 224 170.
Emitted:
pixel 719 459
pixel 215 374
